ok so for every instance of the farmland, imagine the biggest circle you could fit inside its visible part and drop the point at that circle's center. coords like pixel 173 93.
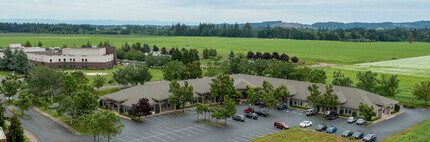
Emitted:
pixel 312 51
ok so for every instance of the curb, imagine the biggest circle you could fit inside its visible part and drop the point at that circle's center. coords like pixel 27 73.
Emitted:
pixel 59 122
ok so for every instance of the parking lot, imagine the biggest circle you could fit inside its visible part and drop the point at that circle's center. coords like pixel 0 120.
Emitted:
pixel 165 128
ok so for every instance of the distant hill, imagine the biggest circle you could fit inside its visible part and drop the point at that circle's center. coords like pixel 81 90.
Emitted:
pixel 384 25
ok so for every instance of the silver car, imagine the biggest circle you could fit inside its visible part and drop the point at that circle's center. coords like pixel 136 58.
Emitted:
pixel 360 121
pixel 351 120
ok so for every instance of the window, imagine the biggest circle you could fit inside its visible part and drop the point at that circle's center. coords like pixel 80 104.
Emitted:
pixel 70 59
pixel 59 66
pixel 71 66
pixel 82 60
pixel 64 66
pixel 73 60
pixel 86 60
pixel 50 60
pixel 59 60
pixel 383 110
pixel 82 66
pixel 64 59
pixel 86 66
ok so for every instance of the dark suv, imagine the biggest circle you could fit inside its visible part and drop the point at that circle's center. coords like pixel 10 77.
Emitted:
pixel 332 116
pixel 358 134
pixel 251 115
pixel 262 113
pixel 369 138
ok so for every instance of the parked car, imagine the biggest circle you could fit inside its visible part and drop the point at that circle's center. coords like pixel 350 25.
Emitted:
pixel 282 107
pixel 332 115
pixel 369 138
pixel 361 121
pixel 248 110
pixel 262 113
pixel 252 115
pixel 331 129
pixel 347 133
pixel 281 125
pixel 351 120
pixel 259 103
pixel 311 112
pixel 305 124
pixel 240 118
pixel 321 127
pixel 358 134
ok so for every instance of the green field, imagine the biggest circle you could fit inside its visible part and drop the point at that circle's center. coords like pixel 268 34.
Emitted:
pixel 297 134
pixel 309 50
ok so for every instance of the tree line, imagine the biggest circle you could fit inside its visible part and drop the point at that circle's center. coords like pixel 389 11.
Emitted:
pixel 224 30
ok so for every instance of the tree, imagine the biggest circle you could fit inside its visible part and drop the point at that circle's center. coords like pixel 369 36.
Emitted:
pixel 367 81
pixel 194 69
pixel 39 44
pixel 6 60
pixel 281 93
pixel 171 51
pixel 100 44
pixel 27 44
pixel 25 100
pixel 110 124
pixel 340 79
pixel 137 74
pixel 317 76
pixel 267 56
pixel 250 55
pixel 295 59
pixel 229 108
pixel 106 43
pixel 206 53
pixel 175 70
pixel 231 56
pixel 155 49
pixel 253 94
pixel 164 51
pixel 275 55
pixel 94 125
pixel 185 57
pixel 80 77
pixel 212 52
pixel 146 48
pixel 84 103
pixel 284 57
pixel 70 84
pixel 200 108
pixel 328 99
pixel 366 111
pixel 388 85
pixel 422 91
pixel 64 46
pixel 142 107
pixel 16 132
pixel 99 81
pixel 269 100
pixel 222 85
pixel 10 86
pixel 258 55
pixel 176 55
pixel 41 79
pixel 314 95
pixel 20 62
pixel 410 37
pixel 88 44
pixel 180 94
pixel 2 116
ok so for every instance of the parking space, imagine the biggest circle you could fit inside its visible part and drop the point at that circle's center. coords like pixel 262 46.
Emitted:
pixel 166 128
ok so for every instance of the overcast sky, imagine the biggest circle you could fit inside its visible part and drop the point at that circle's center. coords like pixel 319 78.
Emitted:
pixel 219 11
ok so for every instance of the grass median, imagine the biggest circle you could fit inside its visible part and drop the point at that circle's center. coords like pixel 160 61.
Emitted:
pixel 297 134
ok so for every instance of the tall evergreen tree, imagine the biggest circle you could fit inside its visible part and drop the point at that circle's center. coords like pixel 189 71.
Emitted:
pixel 27 44
pixel 16 132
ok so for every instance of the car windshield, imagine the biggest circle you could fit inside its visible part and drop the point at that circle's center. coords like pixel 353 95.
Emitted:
pixel 346 131
pixel 331 128
pixel 320 126
pixel 357 133
pixel 360 120
pixel 351 118
pixel 281 123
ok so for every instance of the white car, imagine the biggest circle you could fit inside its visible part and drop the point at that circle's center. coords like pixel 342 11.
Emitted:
pixel 305 124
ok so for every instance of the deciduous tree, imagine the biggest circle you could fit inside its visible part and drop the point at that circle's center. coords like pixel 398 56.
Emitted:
pixel 366 111
pixel 16 132
pixel 99 81
pixel 180 94
pixel 25 100
pixel 422 91
pixel 222 85
pixel 367 81
pixel 110 124
pixel 142 107
pixel 340 79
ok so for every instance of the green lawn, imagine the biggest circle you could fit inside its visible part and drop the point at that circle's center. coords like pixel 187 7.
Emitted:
pixel 297 134
pixel 309 50
pixel 417 133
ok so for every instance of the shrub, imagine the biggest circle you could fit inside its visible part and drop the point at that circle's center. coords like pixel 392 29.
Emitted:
pixel 136 119
pixel 397 107
pixel 379 117
pixel 341 111
pixel 354 114
pixel 295 59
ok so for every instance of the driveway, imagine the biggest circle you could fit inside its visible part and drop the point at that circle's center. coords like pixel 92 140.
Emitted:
pixel 166 128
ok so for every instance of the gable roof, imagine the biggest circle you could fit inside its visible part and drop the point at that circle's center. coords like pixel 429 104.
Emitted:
pixel 347 96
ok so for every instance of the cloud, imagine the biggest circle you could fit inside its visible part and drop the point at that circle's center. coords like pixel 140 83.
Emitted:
pixel 304 11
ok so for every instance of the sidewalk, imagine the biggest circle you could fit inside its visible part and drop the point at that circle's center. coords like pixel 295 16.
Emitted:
pixel 59 122
pixel 166 112
pixel 386 117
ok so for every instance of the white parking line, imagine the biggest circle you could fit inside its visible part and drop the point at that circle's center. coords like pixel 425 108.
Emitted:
pixel 257 134
pixel 198 129
pixel 146 133
pixel 247 136
pixel 182 128
pixel 155 117
pixel 121 139
pixel 171 133
pixel 165 117
pixel 179 131
pixel 241 138
pixel 162 134
pixel 157 138
pixel 268 129
pixel 133 139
